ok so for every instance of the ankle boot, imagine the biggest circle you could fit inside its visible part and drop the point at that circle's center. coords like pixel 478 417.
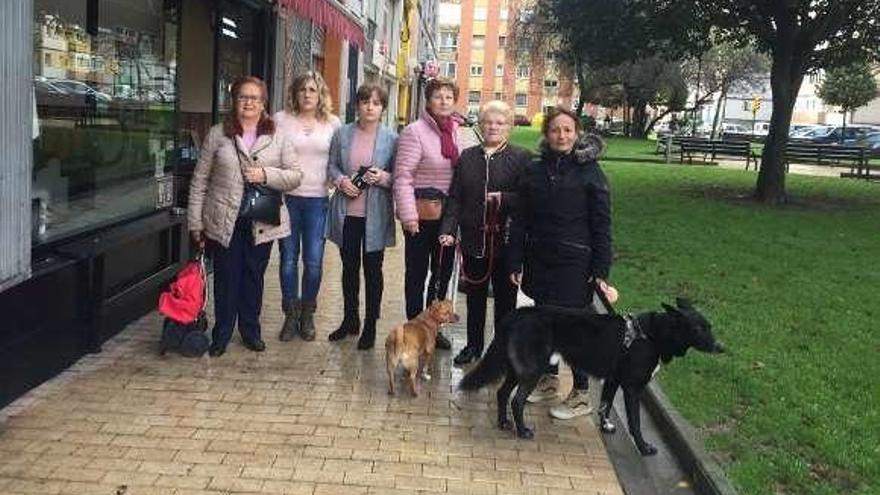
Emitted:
pixel 292 309
pixel 350 325
pixel 307 320
pixel 368 337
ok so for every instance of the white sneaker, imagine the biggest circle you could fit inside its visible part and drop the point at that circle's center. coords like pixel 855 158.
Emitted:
pixel 547 389
pixel 576 404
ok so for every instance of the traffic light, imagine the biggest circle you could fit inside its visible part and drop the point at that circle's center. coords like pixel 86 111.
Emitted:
pixel 756 104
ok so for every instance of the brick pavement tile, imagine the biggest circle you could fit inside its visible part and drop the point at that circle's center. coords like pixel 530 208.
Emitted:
pixel 150 454
pixel 401 468
pixel 187 481
pixel 339 489
pixel 236 484
pixel 348 466
pixel 173 467
pixel 76 474
pixel 136 441
pixel 420 483
pixel 268 473
pixel 472 488
pixel 327 452
pixel 250 460
pixel 42 487
pixel 288 487
pixel 197 457
pixel 375 455
pixel 520 466
pixel 303 473
pixel 130 478
pixel 369 479
pixel 555 481
pixel 112 464
pixel 218 470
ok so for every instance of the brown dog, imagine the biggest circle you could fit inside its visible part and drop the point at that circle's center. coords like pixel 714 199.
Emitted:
pixel 411 344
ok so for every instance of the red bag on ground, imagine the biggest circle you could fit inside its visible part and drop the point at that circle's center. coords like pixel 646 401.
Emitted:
pixel 185 297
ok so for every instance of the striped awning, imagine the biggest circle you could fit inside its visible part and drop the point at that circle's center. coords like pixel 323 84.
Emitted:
pixel 330 16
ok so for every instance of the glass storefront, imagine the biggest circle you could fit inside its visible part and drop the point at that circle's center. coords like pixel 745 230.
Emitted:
pixel 105 94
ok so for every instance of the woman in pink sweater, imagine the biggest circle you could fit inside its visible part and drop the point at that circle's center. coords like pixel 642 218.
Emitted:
pixel 427 151
pixel 309 123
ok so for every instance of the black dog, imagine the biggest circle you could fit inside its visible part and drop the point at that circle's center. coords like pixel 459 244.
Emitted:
pixel 624 351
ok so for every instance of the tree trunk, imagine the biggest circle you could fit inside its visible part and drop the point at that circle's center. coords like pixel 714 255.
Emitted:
pixel 721 102
pixel 786 76
pixel 843 130
pixel 640 117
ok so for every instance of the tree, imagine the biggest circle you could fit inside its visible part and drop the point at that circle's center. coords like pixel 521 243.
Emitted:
pixel 621 40
pixel 800 36
pixel 848 87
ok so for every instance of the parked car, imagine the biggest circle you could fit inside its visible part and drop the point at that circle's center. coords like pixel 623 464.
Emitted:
pixel 871 141
pixel 522 120
pixel 798 130
pixel 730 128
pixel 761 129
pixel 838 134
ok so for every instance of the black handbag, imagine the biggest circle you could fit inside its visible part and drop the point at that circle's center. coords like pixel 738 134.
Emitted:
pixel 260 203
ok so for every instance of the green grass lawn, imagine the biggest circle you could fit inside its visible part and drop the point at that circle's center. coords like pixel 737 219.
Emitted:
pixel 793 291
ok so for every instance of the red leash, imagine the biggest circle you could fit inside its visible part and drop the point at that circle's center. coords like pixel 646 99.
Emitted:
pixel 491 229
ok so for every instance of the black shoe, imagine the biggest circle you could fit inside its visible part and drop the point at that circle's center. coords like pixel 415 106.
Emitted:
pixel 368 337
pixel 466 356
pixel 216 351
pixel 255 345
pixel 349 326
pixel 442 342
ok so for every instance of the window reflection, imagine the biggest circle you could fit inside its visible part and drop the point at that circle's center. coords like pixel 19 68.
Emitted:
pixel 104 90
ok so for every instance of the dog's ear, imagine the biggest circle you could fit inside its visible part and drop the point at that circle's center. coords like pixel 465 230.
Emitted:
pixel 683 303
pixel 669 309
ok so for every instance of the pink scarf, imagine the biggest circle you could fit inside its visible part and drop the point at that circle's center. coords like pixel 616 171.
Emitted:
pixel 447 143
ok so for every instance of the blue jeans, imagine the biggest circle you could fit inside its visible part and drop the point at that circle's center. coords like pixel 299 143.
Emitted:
pixel 308 217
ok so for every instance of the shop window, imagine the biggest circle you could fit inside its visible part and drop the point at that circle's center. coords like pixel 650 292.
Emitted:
pixel 104 87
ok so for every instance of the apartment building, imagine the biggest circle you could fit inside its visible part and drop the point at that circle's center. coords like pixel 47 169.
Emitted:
pixel 476 48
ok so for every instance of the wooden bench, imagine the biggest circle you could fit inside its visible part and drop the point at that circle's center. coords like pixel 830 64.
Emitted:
pixel 714 149
pixel 663 141
pixel 854 157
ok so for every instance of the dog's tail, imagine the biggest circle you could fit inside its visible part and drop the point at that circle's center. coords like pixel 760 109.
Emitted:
pixel 490 369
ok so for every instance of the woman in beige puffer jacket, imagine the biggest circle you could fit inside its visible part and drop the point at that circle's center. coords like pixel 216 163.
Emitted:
pixel 245 147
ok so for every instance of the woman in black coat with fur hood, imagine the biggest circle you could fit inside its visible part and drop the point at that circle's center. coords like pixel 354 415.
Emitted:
pixel 560 237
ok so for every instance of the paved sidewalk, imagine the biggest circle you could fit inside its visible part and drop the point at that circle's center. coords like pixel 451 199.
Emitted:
pixel 301 418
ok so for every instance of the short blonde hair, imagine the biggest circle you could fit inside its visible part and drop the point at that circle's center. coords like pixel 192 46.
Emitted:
pixel 325 103
pixel 496 106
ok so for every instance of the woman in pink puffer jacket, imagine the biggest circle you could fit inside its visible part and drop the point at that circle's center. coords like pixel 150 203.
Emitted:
pixel 427 152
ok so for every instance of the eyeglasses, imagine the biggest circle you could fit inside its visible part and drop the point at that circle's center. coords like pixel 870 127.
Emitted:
pixel 248 98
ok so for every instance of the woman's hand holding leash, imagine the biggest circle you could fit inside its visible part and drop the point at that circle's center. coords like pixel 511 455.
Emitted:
pixel 198 239
pixel 447 240
pixel 516 278
pixel 411 226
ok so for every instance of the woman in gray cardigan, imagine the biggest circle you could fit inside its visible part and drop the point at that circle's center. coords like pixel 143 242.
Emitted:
pixel 361 217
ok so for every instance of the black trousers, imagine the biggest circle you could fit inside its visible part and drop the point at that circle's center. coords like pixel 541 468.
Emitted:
pixel 421 251
pixel 353 252
pixel 504 293
pixel 238 284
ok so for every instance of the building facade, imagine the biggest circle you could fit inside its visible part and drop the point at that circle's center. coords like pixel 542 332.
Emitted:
pixel 476 47
pixel 109 103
